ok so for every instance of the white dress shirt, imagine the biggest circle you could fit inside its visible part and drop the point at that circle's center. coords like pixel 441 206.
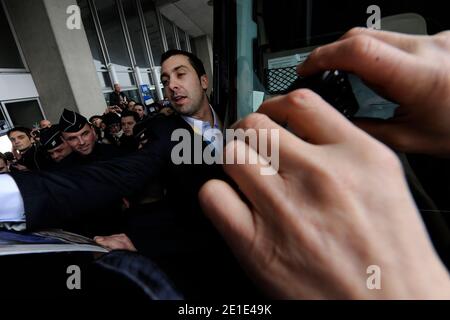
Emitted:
pixel 203 128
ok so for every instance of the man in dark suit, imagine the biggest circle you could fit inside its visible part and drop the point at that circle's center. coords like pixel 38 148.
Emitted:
pixel 118 98
pixel 182 240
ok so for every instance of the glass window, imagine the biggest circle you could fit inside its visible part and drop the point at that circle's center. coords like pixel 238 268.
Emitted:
pixel 9 54
pixel 146 78
pixel 182 37
pixel 154 35
pixel 24 113
pixel 134 95
pixel 136 34
pixel 94 44
pixel 125 78
pixel 104 79
pixel 113 34
pixel 170 36
pixel 91 34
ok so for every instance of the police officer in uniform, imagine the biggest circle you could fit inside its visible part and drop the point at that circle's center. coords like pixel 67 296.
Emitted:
pixel 58 150
pixel 82 138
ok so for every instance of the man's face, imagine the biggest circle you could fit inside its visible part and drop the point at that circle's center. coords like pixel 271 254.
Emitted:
pixel 45 124
pixel 97 122
pixel 82 141
pixel 131 105
pixel 20 141
pixel 128 124
pixel 114 128
pixel 117 88
pixel 60 152
pixel 182 85
pixel 139 110
pixel 3 166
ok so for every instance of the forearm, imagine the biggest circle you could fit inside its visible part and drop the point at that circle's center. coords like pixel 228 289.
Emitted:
pixel 57 199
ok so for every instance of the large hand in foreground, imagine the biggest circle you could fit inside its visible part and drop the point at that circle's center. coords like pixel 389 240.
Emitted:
pixel 338 205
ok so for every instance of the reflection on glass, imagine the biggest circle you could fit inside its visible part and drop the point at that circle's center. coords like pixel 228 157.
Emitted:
pixel 151 23
pixel 9 53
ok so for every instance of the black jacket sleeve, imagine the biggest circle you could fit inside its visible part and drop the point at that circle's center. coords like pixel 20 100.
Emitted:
pixel 58 199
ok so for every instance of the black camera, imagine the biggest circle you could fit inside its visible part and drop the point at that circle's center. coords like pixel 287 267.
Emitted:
pixel 334 87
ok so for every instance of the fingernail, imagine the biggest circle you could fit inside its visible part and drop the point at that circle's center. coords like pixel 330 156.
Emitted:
pixel 99 239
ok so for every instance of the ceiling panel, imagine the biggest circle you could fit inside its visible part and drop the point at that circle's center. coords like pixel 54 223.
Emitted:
pixel 194 16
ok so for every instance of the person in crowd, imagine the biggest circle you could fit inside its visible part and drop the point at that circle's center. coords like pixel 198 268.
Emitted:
pixel 127 141
pixel 113 131
pixel 131 105
pixel 96 121
pixel 45 124
pixel 118 98
pixel 29 155
pixel 140 110
pixel 4 165
pixel 99 126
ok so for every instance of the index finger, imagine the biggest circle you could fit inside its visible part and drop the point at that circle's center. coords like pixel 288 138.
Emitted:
pixel 388 69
